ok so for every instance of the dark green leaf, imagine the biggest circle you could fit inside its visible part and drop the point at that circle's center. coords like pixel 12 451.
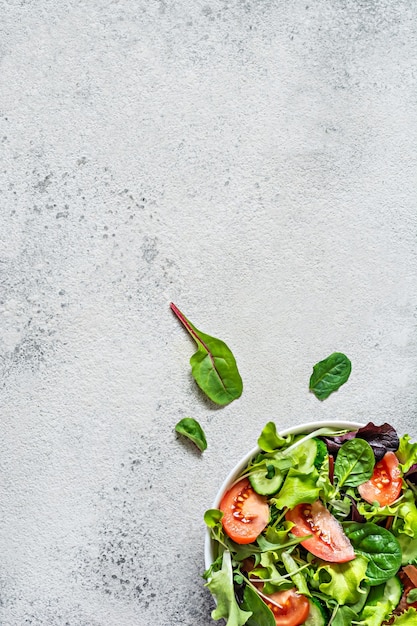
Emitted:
pixel 344 616
pixel 354 463
pixel 213 365
pixel 379 546
pixel 261 613
pixel 190 428
pixel 328 375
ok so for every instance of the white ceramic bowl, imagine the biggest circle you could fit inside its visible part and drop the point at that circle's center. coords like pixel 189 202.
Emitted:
pixel 296 430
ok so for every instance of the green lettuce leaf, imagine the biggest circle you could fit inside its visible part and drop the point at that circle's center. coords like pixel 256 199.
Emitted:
pixel 404 512
pixel 261 613
pixel 278 536
pixel 409 618
pixel 221 586
pixel 297 488
pixel 270 440
pixel 344 616
pixel 406 453
pixel 342 581
pixel 269 572
pixel 295 574
pixel 378 608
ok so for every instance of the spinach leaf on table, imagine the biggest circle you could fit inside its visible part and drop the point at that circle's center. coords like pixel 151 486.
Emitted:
pixel 213 365
pixel 330 374
pixel 190 428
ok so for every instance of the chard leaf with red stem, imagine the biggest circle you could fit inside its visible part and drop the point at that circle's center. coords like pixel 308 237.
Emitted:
pixel 213 365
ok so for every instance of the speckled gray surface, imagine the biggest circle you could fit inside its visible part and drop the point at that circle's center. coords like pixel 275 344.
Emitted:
pixel 255 163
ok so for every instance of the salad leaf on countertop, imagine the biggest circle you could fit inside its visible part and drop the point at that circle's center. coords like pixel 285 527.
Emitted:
pixel 190 428
pixel 330 374
pixel 213 365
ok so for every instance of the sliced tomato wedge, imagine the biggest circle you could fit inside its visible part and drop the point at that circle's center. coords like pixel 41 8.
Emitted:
pixel 328 540
pixel 385 484
pixel 245 513
pixel 289 607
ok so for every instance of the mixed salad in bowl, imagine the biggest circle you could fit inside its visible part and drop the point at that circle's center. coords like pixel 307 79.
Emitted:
pixel 317 526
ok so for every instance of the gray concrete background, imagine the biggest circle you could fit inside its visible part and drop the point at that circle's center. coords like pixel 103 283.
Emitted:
pixel 254 162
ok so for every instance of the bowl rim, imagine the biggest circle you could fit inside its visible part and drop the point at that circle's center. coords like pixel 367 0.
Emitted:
pixel 306 428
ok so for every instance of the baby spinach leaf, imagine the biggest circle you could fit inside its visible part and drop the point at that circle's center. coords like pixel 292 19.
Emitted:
pixel 190 428
pixel 330 374
pixel 354 464
pixel 377 545
pixel 221 586
pixel 261 613
pixel 213 365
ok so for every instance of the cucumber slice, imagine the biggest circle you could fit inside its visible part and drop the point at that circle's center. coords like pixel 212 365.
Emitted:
pixel 309 454
pixel 393 591
pixel 267 480
pixel 317 615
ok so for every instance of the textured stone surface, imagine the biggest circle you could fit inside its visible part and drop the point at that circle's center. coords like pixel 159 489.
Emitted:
pixel 254 162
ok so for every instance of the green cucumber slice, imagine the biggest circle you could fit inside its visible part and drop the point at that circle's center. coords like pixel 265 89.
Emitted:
pixel 393 591
pixel 309 454
pixel 267 480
